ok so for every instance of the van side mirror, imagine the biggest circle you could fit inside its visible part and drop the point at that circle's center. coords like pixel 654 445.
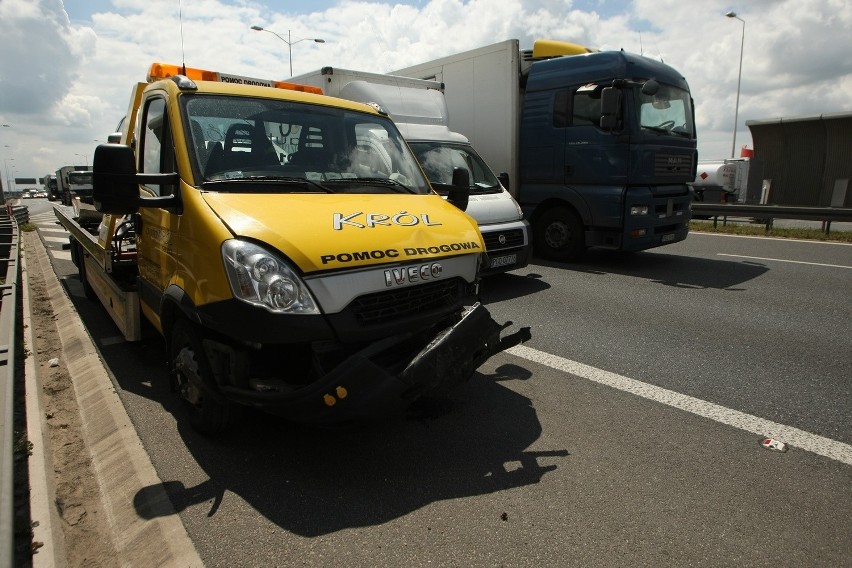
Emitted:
pixel 610 108
pixel 503 178
pixel 459 194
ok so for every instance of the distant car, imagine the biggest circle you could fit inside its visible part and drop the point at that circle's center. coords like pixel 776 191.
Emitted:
pixel 28 194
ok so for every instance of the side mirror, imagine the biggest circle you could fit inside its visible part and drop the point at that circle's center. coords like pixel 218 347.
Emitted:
pixel 650 87
pixel 114 138
pixel 114 186
pixel 503 178
pixel 610 108
pixel 115 183
pixel 460 191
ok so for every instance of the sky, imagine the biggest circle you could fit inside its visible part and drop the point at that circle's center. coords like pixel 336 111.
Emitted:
pixel 67 68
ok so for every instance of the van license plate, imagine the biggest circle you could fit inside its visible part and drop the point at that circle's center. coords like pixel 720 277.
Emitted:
pixel 669 237
pixel 506 260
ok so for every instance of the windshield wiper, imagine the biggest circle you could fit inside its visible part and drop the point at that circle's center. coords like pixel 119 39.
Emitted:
pixel 376 181
pixel 666 131
pixel 657 129
pixel 268 180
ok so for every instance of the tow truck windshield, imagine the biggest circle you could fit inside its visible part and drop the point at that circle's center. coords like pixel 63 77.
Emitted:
pixel 251 144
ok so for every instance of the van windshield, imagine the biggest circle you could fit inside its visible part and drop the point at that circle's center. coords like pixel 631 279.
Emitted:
pixel 267 145
pixel 439 159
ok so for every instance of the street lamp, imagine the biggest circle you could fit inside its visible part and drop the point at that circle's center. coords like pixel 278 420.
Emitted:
pixel 85 157
pixel 288 41
pixel 8 179
pixel 733 14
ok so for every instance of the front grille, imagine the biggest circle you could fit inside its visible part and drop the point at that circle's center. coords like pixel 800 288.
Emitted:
pixel 672 164
pixel 397 303
pixel 513 239
pixel 661 210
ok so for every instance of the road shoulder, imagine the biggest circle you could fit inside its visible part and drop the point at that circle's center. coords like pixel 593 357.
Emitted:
pixel 96 463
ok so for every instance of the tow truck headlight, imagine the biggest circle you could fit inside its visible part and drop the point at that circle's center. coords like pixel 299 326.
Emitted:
pixel 261 278
pixel 638 209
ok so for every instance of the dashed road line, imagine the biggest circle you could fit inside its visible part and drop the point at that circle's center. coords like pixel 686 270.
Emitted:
pixel 795 437
pixel 54 236
pixel 60 240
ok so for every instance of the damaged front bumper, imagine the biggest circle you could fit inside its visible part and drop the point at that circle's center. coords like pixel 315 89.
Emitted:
pixel 362 388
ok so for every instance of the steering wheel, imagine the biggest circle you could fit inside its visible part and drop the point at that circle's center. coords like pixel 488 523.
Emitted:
pixel 668 125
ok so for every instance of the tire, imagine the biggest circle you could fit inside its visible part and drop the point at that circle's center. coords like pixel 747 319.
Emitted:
pixel 191 377
pixel 559 235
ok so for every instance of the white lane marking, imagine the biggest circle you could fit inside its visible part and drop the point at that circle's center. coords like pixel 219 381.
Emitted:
pixel 61 254
pixel 55 239
pixel 783 260
pixel 793 436
pixel 811 241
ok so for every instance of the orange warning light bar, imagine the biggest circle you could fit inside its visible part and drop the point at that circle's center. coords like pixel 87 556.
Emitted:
pixel 165 70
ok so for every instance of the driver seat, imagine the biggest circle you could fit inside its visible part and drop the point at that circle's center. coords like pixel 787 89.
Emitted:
pixel 247 146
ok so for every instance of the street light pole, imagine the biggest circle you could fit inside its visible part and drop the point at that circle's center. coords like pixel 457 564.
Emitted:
pixel 733 14
pixel 8 179
pixel 288 41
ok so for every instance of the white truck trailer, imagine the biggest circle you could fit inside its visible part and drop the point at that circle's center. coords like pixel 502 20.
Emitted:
pixel 419 109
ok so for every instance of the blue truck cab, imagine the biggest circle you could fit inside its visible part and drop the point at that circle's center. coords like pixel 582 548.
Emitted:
pixel 608 146
pixel 598 147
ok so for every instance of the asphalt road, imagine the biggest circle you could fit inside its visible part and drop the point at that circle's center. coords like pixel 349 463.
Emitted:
pixel 530 464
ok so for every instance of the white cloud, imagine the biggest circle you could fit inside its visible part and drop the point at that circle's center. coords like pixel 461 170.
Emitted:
pixel 65 84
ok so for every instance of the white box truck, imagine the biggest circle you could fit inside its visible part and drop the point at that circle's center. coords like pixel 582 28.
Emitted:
pixel 419 110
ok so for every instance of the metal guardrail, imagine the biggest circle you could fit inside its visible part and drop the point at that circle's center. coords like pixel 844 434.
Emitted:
pixel 9 277
pixel 768 213
pixel 20 212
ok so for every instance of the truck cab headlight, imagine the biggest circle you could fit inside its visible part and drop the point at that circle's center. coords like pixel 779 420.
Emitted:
pixel 261 278
pixel 638 209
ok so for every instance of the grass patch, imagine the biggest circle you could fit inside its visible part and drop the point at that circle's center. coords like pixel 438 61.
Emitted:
pixel 760 230
pixel 27 227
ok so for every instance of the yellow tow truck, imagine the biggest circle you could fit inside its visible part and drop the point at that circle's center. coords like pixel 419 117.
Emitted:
pixel 287 246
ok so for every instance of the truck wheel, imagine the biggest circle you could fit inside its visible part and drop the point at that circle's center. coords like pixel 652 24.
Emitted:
pixel 190 374
pixel 81 271
pixel 559 235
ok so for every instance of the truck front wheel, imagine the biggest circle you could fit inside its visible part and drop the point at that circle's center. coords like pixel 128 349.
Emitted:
pixel 559 235
pixel 191 375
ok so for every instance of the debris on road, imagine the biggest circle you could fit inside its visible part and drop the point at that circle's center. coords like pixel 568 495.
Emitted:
pixel 771 444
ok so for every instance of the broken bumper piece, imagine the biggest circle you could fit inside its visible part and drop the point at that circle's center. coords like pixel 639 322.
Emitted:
pixel 361 389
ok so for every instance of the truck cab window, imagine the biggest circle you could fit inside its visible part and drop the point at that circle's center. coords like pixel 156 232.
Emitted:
pixel 581 107
pixel 157 148
pixel 586 107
